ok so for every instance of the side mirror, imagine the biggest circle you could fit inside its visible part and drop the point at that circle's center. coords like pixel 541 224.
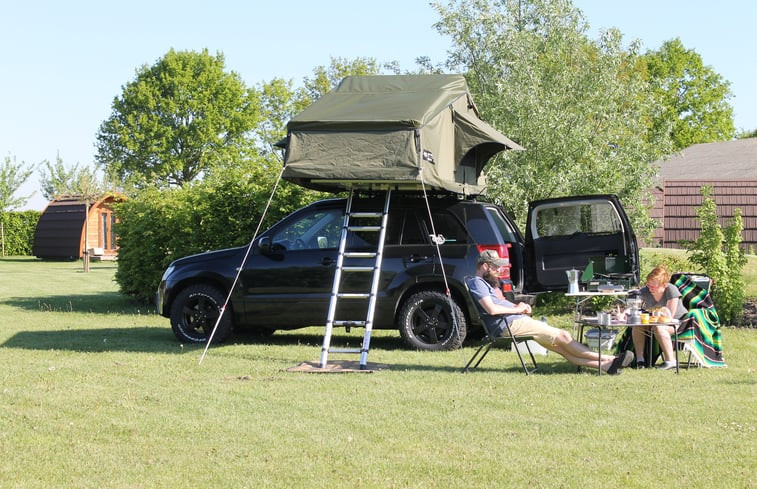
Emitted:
pixel 264 244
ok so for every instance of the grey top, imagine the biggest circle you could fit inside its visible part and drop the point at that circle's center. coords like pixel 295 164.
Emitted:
pixel 671 292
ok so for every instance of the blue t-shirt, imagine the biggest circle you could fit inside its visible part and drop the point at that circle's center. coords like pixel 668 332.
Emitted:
pixel 480 288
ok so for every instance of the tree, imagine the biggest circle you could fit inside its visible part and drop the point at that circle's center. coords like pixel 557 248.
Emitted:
pixel 280 101
pixel 12 176
pixel 580 107
pixel 56 180
pixel 694 98
pixel 325 78
pixel 157 225
pixel 179 119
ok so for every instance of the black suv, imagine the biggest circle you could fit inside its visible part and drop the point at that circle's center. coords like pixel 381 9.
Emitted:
pixel 287 277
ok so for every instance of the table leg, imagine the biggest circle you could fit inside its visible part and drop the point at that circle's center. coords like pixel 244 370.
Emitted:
pixel 599 350
pixel 675 344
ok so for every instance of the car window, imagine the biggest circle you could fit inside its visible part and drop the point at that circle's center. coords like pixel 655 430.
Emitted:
pixel 316 229
pixel 565 219
pixel 412 227
pixel 507 232
pixel 446 225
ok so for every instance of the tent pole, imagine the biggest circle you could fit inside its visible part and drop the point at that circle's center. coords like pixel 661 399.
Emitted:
pixel 241 266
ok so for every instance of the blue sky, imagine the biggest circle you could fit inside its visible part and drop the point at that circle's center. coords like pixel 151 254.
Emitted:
pixel 62 63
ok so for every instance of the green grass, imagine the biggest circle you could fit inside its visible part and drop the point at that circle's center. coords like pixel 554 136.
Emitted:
pixel 97 393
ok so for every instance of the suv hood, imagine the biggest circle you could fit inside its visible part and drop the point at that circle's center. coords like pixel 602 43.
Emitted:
pixel 224 254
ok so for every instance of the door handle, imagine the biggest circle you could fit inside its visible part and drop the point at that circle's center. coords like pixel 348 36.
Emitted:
pixel 416 258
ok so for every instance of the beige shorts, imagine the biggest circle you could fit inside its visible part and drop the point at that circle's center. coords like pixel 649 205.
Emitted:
pixel 543 333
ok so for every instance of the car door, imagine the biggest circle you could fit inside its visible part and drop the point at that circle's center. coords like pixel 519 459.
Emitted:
pixel 569 232
pixel 289 284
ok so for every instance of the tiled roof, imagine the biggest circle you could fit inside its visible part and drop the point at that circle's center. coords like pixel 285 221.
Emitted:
pixel 726 160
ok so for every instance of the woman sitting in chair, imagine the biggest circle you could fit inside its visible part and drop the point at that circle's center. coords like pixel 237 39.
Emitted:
pixel 659 293
pixel 494 306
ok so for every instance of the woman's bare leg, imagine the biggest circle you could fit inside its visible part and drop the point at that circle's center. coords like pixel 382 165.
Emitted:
pixel 663 334
pixel 639 334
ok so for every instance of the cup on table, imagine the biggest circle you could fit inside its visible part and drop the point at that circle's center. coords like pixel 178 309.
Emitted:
pixel 644 318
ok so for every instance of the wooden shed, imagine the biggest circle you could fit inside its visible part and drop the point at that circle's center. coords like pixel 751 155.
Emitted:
pixel 64 233
pixel 729 167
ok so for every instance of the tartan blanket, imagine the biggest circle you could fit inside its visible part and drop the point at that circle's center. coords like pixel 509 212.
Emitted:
pixel 700 327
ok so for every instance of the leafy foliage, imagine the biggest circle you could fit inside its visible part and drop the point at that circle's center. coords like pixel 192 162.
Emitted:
pixel 159 225
pixel 57 180
pixel 717 251
pixel 12 175
pixel 180 118
pixel 18 229
pixel 693 97
pixel 579 107
pixel 223 208
pixel 280 101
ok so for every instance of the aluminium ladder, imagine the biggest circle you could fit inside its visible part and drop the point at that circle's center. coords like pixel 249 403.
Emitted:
pixel 348 256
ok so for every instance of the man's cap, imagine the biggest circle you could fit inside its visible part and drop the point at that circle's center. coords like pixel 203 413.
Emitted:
pixel 491 256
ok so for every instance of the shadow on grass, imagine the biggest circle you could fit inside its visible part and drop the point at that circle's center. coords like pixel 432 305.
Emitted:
pixel 99 302
pixel 161 340
pixel 137 339
pixel 309 338
pixel 25 259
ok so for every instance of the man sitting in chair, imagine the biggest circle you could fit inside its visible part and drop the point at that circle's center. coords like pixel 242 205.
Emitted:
pixel 494 306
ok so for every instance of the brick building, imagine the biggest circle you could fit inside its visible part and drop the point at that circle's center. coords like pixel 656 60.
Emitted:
pixel 729 167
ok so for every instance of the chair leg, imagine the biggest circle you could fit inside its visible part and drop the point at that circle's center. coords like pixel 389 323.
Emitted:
pixel 517 350
pixel 486 344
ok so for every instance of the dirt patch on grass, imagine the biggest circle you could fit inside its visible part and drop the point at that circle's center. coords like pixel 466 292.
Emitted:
pixel 749 319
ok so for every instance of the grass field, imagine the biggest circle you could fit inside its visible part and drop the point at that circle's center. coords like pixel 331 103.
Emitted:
pixel 97 393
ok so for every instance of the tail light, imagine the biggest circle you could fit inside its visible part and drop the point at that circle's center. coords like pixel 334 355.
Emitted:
pixel 504 271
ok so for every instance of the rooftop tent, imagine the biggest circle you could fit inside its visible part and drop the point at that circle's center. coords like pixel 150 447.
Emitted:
pixel 392 130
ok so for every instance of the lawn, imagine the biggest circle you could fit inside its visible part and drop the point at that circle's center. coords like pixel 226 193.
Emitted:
pixel 97 393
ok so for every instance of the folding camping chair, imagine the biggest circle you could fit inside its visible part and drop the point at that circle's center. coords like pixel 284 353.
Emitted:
pixel 491 338
pixel 699 332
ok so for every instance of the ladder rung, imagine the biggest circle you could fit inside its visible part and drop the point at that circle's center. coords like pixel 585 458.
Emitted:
pixel 345 350
pixel 360 254
pixel 364 228
pixel 353 296
pixel 366 214
pixel 358 269
pixel 349 323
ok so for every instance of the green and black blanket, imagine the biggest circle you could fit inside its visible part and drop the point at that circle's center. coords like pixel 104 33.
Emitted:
pixel 700 327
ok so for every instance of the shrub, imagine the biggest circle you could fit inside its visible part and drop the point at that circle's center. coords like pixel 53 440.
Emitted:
pixel 18 232
pixel 717 252
pixel 158 226
pixel 675 262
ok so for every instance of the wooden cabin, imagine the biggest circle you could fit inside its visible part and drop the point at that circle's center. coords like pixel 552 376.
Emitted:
pixel 63 232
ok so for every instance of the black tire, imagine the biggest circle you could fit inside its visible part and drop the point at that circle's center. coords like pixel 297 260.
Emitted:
pixel 427 322
pixel 194 313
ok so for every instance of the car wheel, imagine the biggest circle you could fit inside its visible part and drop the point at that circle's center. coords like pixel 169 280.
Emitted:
pixel 430 320
pixel 194 313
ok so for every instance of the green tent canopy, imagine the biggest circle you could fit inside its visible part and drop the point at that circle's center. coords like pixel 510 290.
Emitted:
pixel 392 131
